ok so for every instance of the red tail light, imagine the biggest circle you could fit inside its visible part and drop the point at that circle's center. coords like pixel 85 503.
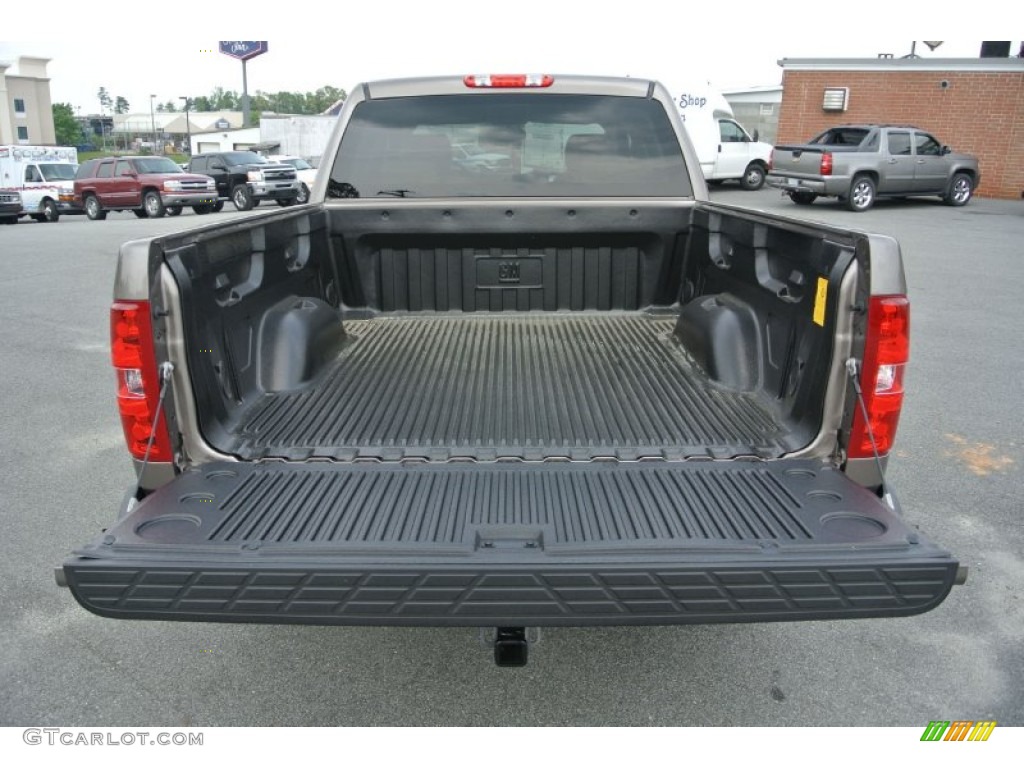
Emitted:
pixel 771 159
pixel 508 81
pixel 886 351
pixel 138 384
pixel 826 164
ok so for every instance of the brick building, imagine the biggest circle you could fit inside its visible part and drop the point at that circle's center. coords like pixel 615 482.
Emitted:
pixel 973 105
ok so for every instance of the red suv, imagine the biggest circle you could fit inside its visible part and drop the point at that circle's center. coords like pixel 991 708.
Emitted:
pixel 147 186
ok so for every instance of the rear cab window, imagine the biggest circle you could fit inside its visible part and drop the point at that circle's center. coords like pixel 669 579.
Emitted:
pixel 844 136
pixel 510 145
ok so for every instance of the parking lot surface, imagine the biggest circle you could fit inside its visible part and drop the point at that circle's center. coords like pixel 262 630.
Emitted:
pixel 958 468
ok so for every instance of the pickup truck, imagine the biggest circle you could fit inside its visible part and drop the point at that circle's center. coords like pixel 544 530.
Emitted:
pixel 860 163
pixel 247 178
pixel 10 206
pixel 567 390
pixel 305 172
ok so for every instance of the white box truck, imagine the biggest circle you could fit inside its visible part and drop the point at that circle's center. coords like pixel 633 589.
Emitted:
pixel 44 176
pixel 725 150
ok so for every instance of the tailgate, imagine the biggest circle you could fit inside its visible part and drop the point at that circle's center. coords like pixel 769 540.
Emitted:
pixel 505 544
pixel 796 160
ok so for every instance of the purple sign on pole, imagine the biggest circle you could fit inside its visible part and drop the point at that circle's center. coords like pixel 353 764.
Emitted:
pixel 243 49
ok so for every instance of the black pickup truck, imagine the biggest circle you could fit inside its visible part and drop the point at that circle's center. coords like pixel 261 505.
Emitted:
pixel 562 389
pixel 247 179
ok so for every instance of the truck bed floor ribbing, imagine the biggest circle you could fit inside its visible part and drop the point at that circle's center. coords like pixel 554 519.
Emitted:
pixel 526 386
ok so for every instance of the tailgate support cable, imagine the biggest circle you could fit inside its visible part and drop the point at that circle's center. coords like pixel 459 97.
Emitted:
pixel 166 369
pixel 851 369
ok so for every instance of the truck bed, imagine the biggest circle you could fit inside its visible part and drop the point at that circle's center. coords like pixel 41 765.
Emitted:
pixel 529 386
pixel 322 338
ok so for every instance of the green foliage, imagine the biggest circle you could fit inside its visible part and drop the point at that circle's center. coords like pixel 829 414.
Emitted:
pixel 83 156
pixel 121 105
pixel 67 131
pixel 325 96
pixel 283 102
pixel 221 100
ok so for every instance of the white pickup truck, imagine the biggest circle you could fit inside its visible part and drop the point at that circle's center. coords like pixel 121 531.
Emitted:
pixel 43 176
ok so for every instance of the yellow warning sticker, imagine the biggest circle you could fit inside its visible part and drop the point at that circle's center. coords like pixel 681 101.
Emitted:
pixel 819 301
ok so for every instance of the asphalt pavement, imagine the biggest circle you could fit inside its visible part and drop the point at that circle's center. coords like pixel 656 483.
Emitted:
pixel 958 468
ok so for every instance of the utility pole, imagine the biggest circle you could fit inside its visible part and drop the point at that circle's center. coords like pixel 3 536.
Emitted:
pixel 152 120
pixel 188 126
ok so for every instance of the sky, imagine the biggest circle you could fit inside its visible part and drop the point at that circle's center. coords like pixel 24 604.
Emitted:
pixel 730 44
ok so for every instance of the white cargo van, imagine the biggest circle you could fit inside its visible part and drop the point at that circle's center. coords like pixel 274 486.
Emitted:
pixel 725 149
pixel 43 175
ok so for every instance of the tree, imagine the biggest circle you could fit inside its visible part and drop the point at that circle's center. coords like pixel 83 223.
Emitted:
pixel 66 129
pixel 283 102
pixel 289 103
pixel 121 105
pixel 104 97
pixel 259 102
pixel 168 107
pixel 324 97
pixel 105 104
pixel 225 100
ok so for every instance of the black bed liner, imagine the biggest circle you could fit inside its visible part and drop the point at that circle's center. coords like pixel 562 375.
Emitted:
pixel 579 386
pixel 511 544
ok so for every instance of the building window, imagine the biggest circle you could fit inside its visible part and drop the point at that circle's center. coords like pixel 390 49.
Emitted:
pixel 22 133
pixel 19 106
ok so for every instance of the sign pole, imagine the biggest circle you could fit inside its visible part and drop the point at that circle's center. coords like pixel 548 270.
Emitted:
pixel 243 50
pixel 245 97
